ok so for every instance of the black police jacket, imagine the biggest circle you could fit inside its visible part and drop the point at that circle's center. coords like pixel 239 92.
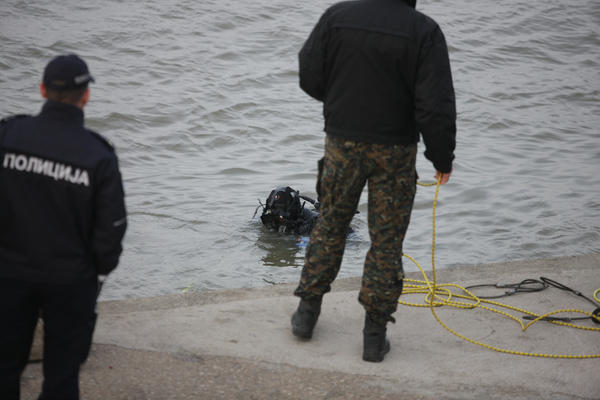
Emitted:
pixel 62 210
pixel 381 69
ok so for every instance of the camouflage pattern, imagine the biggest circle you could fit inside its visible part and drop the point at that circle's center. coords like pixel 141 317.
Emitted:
pixel 391 176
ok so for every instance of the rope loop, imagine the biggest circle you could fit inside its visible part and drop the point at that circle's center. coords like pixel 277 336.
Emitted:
pixel 439 295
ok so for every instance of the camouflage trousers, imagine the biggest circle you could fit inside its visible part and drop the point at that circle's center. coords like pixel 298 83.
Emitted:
pixel 343 173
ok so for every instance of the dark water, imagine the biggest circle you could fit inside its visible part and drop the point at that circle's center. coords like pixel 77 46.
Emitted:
pixel 201 100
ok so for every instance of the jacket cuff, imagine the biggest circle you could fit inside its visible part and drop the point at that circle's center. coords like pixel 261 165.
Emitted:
pixel 445 166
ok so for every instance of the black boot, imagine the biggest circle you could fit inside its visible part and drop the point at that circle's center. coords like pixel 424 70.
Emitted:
pixel 375 345
pixel 305 318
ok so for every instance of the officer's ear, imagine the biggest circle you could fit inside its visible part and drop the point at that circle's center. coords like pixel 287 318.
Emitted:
pixel 85 98
pixel 43 90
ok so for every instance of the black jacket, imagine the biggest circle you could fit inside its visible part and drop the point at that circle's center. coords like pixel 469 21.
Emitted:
pixel 381 69
pixel 62 210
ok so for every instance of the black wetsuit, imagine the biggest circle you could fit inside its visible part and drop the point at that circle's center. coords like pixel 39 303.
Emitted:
pixel 286 211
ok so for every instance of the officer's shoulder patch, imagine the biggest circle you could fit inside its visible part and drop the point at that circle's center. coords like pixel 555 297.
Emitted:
pixel 103 140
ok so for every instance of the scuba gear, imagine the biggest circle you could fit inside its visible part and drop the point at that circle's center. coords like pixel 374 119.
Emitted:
pixel 525 286
pixel 534 285
pixel 558 285
pixel 284 212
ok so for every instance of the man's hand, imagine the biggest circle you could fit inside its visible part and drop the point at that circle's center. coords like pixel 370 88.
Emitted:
pixel 445 177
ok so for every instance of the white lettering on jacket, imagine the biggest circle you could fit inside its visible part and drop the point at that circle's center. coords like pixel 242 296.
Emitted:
pixel 36 165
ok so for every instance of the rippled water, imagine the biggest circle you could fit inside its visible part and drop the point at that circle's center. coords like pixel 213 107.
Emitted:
pixel 201 100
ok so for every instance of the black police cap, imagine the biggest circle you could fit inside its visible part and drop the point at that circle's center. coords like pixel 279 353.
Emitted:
pixel 67 72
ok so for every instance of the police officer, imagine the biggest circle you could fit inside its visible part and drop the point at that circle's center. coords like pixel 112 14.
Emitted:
pixel 63 218
pixel 382 71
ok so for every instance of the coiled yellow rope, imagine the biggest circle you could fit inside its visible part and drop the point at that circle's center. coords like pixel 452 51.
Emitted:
pixel 441 295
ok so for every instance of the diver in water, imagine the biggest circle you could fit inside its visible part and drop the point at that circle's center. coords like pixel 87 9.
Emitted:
pixel 285 211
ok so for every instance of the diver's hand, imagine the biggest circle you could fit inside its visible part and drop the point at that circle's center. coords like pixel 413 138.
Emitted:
pixel 445 177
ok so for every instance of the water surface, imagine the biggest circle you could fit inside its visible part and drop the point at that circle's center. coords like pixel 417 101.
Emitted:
pixel 202 102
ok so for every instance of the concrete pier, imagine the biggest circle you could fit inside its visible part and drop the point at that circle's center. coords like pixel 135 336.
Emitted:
pixel 237 344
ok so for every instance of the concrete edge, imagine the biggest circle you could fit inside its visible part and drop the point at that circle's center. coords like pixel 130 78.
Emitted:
pixel 462 275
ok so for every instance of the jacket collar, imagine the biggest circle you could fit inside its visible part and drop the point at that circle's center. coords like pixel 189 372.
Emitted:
pixel 62 112
pixel 411 3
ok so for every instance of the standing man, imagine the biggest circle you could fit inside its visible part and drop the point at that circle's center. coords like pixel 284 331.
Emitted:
pixel 382 71
pixel 62 219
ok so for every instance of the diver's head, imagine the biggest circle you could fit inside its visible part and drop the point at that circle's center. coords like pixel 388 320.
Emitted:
pixel 282 209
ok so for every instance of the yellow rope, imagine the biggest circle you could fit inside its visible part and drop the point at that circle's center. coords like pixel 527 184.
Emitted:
pixel 597 295
pixel 438 295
